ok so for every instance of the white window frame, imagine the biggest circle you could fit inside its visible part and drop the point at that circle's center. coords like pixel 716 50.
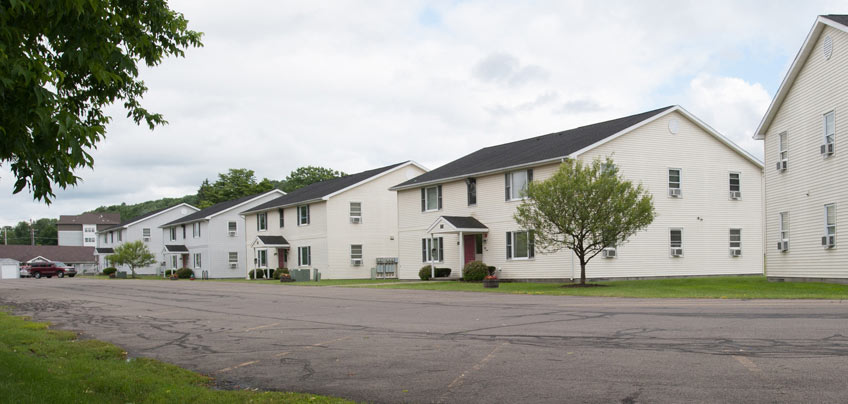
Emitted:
pixel 175 264
pixel 512 242
pixel 301 262
pixel 172 233
pixel 513 195
pixel 783 147
pixel 356 215
pixel 671 242
pixel 829 134
pixel 428 244
pixel 262 221
pixel 301 217
pixel 262 258
pixel 232 226
pixel 282 213
pixel 356 255
pixel 471 191
pixel 783 226
pixel 738 180
pixel 737 244
pixel 679 181
pixel 830 228
pixel 145 233
pixel 195 230
pixel 427 207
pixel 198 261
pixel 230 259
pixel 120 235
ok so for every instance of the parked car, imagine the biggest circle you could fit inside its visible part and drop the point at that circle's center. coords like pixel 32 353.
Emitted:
pixel 24 271
pixel 47 269
pixel 70 271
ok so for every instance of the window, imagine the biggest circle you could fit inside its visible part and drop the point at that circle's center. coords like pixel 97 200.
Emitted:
pixel 735 240
pixel 607 168
pixel 304 256
pixel 172 233
pixel 120 235
pixel 262 221
pixel 674 182
pixel 195 230
pixel 431 198
pixel 735 186
pixel 675 237
pixel 111 237
pixel 233 258
pixel 428 245
pixel 303 215
pixel 516 183
pixel 783 154
pixel 262 258
pixel 282 212
pixel 471 190
pixel 232 227
pixel 356 254
pixel 829 225
pixel 784 226
pixel 184 233
pixel 356 212
pixel 520 245
pixel 478 243
pixel 828 128
pixel 145 233
pixel 197 260
pixel 174 262
pixel 89 239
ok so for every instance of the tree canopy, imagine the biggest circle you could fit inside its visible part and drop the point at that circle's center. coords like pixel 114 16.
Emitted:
pixel 61 64
pixel 45 233
pixel 584 208
pixel 133 254
pixel 304 176
pixel 234 184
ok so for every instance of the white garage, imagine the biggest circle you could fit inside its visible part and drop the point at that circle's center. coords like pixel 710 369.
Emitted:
pixel 9 268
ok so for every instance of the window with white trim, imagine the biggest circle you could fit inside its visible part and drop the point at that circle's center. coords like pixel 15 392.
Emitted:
pixel 304 256
pixel 829 128
pixel 232 227
pixel 174 263
pixel 195 230
pixel 520 245
pixel 471 190
pixel 262 258
pixel 120 235
pixel 233 257
pixel 282 213
pixel 356 212
pixel 432 249
pixel 172 233
pixel 145 233
pixel 675 241
pixel 515 183
pixel 736 239
pixel 431 198
pixel 262 221
pixel 356 254
pixel 784 226
pixel 674 182
pixel 303 215
pixel 735 182
pixel 830 224
pixel 197 261
pixel 782 150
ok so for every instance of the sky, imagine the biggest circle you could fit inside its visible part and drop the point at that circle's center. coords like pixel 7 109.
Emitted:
pixel 358 85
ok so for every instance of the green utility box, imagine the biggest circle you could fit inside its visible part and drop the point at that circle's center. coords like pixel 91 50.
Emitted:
pixel 300 275
pixel 121 275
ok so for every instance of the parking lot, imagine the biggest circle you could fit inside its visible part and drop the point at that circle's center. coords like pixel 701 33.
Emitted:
pixel 420 346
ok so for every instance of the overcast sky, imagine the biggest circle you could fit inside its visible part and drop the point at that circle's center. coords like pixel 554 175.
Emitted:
pixel 357 85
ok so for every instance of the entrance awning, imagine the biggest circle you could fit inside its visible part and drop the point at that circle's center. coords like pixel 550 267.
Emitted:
pixel 457 224
pixel 101 250
pixel 270 242
pixel 175 249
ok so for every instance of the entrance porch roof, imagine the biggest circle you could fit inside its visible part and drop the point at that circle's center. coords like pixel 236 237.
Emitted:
pixel 270 242
pixel 457 224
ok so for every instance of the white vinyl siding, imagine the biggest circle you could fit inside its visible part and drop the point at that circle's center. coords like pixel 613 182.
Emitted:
pixel 304 256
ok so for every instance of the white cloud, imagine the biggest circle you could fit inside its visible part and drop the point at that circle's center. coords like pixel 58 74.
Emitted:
pixel 731 106
pixel 353 85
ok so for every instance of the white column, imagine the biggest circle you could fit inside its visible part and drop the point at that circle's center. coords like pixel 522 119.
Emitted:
pixel 461 253
pixel 432 256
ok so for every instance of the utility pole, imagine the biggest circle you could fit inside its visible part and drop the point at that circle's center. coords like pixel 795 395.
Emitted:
pixel 31 233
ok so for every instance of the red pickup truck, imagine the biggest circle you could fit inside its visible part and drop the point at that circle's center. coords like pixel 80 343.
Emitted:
pixel 47 269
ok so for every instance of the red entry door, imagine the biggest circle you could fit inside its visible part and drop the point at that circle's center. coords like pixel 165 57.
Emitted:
pixel 470 247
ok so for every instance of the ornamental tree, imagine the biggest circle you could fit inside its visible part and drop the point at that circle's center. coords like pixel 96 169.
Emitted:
pixel 584 208
pixel 61 64
pixel 133 254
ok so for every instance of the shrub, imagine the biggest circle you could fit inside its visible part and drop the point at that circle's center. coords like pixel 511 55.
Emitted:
pixel 184 273
pixel 170 272
pixel 424 273
pixel 475 271
pixel 257 274
pixel 280 271
pixel 109 271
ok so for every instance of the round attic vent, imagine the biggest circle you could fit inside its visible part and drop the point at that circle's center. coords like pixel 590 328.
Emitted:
pixel 673 126
pixel 827 47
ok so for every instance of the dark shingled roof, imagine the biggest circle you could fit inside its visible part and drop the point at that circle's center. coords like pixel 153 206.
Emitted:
pixel 90 218
pixel 176 248
pixel 840 18
pixel 66 254
pixel 104 250
pixel 464 222
pixel 539 148
pixel 320 189
pixel 137 218
pixel 218 207
pixel 273 240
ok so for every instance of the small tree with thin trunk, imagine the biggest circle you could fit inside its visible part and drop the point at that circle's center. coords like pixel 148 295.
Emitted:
pixel 133 254
pixel 584 208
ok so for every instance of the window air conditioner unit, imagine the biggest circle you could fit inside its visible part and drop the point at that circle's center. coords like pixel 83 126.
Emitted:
pixel 827 149
pixel 735 252
pixel 781 165
pixel 783 245
pixel 735 194
pixel 233 265
pixel 676 252
pixel 609 252
pixel 356 262
pixel 146 239
pixel 356 219
pixel 829 241
pixel 675 192
pixel 232 233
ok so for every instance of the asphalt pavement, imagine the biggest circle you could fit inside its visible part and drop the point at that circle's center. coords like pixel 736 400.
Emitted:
pixel 392 346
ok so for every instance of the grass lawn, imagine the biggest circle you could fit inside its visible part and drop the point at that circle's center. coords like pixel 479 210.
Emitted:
pixel 39 365
pixel 324 282
pixel 732 287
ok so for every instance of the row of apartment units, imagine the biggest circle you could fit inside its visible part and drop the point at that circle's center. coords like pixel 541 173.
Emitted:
pixel 717 208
